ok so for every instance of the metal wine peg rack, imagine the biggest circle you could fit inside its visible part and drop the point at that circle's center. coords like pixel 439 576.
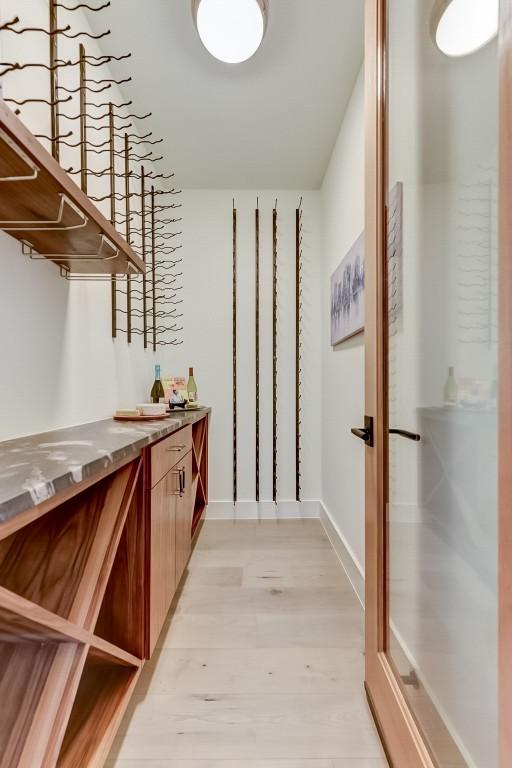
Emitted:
pixel 257 340
pixel 102 135
pixel 235 425
pixel 274 353
pixel 298 346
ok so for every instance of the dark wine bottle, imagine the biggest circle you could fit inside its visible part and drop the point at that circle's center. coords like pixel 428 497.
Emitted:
pixel 157 390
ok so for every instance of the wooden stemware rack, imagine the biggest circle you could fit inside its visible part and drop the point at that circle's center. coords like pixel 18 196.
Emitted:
pixel 49 214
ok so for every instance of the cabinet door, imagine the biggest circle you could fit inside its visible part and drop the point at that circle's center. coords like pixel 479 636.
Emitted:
pixel 184 509
pixel 164 498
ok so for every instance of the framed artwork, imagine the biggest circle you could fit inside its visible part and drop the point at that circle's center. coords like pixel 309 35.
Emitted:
pixel 395 247
pixel 347 295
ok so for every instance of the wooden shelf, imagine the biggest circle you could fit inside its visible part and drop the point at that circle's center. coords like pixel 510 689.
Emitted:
pixel 37 686
pixel 199 471
pixel 103 694
pixel 122 616
pixel 42 207
pixel 75 609
pixel 62 561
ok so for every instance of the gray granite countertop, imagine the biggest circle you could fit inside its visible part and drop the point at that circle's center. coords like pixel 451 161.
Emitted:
pixel 37 467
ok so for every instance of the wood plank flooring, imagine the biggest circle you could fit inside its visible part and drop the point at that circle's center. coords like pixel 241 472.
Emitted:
pixel 261 664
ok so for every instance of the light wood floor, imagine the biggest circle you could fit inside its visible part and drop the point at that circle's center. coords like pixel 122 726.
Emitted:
pixel 261 665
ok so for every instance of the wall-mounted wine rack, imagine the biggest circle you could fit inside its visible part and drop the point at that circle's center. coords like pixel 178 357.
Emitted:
pixel 298 346
pixel 96 127
pixel 257 341
pixel 274 353
pixel 235 424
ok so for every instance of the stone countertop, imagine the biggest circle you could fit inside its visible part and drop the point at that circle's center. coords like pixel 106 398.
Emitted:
pixel 37 467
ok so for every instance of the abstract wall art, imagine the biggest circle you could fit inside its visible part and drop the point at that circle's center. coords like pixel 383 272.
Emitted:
pixel 347 295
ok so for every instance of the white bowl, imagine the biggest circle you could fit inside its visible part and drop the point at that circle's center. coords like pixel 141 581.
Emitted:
pixel 152 409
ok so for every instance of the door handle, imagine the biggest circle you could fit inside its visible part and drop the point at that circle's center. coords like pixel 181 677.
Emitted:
pixel 181 482
pixel 405 433
pixel 173 473
pixel 365 433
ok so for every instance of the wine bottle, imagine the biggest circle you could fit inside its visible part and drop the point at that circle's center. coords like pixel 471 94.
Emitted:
pixel 191 387
pixel 157 390
pixel 450 388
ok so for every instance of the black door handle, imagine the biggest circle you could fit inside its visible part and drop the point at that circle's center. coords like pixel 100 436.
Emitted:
pixel 365 433
pixel 361 432
pixel 404 433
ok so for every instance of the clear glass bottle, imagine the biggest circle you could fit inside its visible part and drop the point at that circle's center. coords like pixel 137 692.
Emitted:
pixel 450 388
pixel 191 387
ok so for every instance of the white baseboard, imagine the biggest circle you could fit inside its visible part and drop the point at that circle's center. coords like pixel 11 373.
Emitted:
pixel 262 510
pixel 349 561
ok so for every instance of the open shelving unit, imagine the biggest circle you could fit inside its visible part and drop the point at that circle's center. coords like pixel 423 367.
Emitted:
pixel 199 471
pixel 43 208
pixel 71 647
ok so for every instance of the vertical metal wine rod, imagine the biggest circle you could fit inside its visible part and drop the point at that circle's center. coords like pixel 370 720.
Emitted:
pixel 297 345
pixel 112 208
pixel 128 235
pixel 83 119
pixel 257 330
pixel 153 267
pixel 235 484
pixel 54 79
pixel 144 275
pixel 274 354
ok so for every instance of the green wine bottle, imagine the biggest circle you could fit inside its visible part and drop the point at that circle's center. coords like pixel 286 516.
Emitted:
pixel 157 390
pixel 191 387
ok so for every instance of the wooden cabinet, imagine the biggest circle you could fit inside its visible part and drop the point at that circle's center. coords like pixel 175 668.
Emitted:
pixel 162 576
pixel 184 510
pixel 166 453
pixel 171 507
pixel 86 584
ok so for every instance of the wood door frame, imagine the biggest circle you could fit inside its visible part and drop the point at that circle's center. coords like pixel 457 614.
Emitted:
pixel 404 743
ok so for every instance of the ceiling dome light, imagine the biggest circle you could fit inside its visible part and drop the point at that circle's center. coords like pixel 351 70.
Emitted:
pixel 231 30
pixel 461 27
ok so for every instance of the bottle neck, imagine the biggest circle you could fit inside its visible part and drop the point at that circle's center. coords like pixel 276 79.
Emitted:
pixel 157 373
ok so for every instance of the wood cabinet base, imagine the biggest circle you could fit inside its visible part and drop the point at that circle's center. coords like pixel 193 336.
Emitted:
pixel 84 590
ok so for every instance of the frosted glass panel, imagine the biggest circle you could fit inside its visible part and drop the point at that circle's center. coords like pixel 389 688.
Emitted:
pixel 443 336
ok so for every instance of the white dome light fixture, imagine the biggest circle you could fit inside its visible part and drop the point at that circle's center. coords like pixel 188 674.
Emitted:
pixel 461 27
pixel 231 30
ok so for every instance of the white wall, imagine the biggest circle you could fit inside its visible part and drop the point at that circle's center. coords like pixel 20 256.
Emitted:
pixel 208 336
pixel 59 364
pixel 342 211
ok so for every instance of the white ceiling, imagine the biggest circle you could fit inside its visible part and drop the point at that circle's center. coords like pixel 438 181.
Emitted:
pixel 270 122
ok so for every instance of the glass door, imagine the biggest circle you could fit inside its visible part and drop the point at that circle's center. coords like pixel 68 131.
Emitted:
pixel 442 353
pixel 435 263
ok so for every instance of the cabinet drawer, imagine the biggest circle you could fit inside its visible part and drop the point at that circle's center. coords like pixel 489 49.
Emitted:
pixel 166 453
